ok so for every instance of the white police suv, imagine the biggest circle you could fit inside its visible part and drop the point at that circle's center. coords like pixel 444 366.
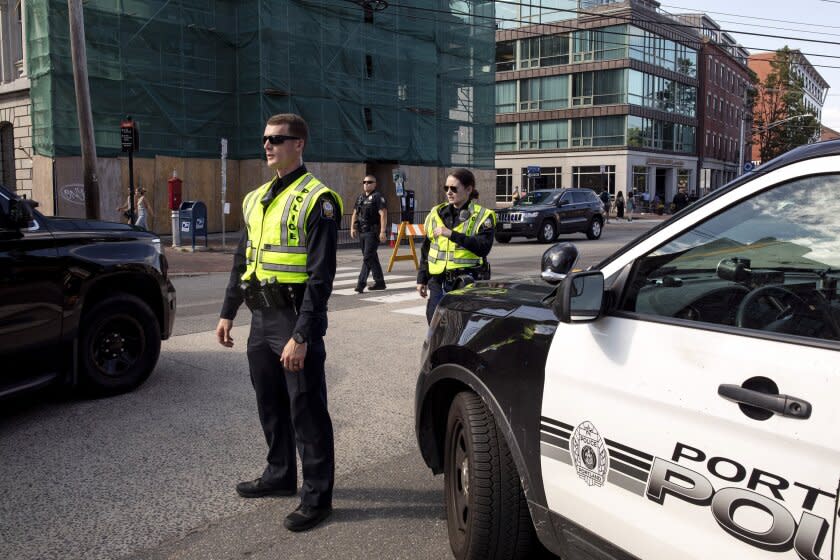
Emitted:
pixel 679 400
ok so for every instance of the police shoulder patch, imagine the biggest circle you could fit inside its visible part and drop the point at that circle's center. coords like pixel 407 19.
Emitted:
pixel 488 223
pixel 327 209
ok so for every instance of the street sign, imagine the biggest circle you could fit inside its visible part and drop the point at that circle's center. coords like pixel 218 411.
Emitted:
pixel 534 171
pixel 748 167
pixel 129 137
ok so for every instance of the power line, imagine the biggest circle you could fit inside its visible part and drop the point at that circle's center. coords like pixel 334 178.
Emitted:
pixel 696 27
pixel 751 18
pixel 568 28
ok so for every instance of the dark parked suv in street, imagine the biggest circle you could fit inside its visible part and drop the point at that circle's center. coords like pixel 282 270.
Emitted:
pixel 545 214
pixel 82 302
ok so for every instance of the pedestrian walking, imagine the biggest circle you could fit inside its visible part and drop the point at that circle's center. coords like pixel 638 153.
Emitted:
pixel 283 268
pixel 459 236
pixel 631 205
pixel 369 220
pixel 619 205
pixel 680 199
pixel 605 199
pixel 144 210
pixel 125 209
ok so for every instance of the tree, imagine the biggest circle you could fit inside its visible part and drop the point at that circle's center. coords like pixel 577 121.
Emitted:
pixel 779 98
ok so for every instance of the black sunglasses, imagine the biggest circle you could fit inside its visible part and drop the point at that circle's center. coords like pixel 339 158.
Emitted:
pixel 366 182
pixel 277 139
pixel 452 189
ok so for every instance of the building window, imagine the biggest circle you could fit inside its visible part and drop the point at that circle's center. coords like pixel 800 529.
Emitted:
pixel 598 131
pixel 7 155
pixel 505 56
pixel 550 178
pixel 505 137
pixel 506 97
pixel 544 94
pixel 592 177
pixel 640 182
pixel 504 184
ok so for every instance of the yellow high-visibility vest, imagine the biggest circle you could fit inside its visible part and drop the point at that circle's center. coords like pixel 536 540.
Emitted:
pixel 277 234
pixel 445 254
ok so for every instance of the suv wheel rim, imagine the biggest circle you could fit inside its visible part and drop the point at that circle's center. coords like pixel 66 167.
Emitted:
pixel 459 471
pixel 117 346
pixel 596 228
pixel 548 231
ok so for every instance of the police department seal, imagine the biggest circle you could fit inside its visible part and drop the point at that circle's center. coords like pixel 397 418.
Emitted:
pixel 589 454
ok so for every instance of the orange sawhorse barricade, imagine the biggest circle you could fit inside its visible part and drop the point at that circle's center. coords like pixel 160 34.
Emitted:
pixel 405 230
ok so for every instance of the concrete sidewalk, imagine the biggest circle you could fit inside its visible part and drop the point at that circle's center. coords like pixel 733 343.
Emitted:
pixel 183 261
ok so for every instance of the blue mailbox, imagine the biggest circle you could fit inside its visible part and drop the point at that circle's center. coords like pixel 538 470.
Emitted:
pixel 193 218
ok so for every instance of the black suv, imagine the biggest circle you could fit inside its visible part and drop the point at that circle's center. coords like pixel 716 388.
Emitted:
pixel 82 302
pixel 547 213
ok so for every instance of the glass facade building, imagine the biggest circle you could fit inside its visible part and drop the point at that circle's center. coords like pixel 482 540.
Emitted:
pixel 601 93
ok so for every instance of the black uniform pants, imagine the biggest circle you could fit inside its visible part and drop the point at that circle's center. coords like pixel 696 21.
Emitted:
pixel 370 265
pixel 292 408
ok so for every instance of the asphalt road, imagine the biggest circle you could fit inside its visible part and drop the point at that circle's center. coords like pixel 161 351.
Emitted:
pixel 151 474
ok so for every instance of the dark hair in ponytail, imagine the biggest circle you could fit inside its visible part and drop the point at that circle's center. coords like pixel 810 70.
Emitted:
pixel 466 178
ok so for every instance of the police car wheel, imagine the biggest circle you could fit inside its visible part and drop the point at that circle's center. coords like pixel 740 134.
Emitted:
pixel 487 514
pixel 119 345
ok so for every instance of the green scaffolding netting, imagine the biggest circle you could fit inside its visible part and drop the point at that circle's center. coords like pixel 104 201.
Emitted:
pixel 413 83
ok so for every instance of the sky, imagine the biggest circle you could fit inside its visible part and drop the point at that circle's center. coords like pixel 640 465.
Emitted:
pixel 795 24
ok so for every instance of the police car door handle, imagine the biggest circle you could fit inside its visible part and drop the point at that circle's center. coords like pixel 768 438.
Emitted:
pixel 783 405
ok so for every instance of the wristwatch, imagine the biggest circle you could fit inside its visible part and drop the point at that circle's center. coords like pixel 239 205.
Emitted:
pixel 299 338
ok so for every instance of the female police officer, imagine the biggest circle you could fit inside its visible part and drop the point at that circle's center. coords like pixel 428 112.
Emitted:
pixel 459 236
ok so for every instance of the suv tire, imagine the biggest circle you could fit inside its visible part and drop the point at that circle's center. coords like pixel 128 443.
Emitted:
pixel 503 237
pixel 486 511
pixel 119 345
pixel 547 232
pixel 596 226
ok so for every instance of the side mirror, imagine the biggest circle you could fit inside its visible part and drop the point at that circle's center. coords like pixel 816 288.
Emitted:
pixel 20 213
pixel 562 202
pixel 580 297
pixel 557 261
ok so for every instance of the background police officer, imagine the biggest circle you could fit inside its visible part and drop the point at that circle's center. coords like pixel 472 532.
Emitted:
pixel 370 219
pixel 284 269
pixel 459 236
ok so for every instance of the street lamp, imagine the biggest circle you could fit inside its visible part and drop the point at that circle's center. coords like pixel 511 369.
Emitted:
pixel 761 129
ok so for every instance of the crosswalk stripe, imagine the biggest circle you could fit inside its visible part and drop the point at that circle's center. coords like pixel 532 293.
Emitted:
pixel 419 310
pixel 391 286
pixel 346 269
pixel 394 298
pixel 352 281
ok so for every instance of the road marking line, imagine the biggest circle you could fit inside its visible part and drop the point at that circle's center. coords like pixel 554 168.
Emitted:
pixel 420 310
pixel 352 281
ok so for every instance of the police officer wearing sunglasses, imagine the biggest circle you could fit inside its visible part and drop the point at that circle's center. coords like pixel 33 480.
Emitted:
pixel 284 269
pixel 369 219
pixel 459 236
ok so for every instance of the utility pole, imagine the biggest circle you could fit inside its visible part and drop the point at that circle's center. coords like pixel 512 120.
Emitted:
pixel 80 77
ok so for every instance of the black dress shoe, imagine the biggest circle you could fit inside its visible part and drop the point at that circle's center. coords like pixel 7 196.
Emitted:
pixel 306 517
pixel 257 489
pixel 359 289
pixel 377 286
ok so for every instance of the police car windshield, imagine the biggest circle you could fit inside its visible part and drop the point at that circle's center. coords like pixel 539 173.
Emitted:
pixel 540 197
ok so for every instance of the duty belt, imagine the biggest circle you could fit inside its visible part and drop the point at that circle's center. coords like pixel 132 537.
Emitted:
pixel 478 273
pixel 268 295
